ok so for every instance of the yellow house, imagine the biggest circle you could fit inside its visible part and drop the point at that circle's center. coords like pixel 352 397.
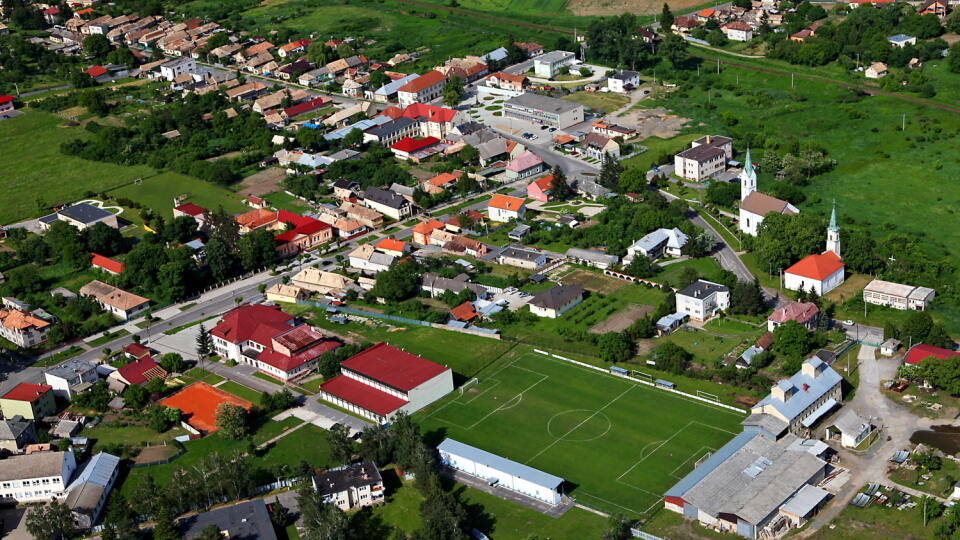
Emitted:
pixel 31 401
pixel 285 293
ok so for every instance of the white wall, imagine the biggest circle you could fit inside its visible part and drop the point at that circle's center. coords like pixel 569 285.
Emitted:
pixel 505 479
pixel 794 282
pixel 429 391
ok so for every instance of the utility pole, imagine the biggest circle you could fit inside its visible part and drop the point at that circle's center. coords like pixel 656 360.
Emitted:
pixel 903 124
pixel 718 66
pixel 791 80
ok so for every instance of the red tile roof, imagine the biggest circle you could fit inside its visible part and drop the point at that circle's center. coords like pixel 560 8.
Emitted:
pixel 366 397
pixel 287 363
pixel 464 312
pixel 242 323
pixel 443 179
pixel 545 183
pixel 106 263
pixel 794 311
pixel 27 392
pixel 391 244
pixel 199 402
pixel 505 202
pixel 409 144
pixel 427 227
pixel 705 12
pixel 191 209
pixel 818 267
pixel 136 350
pixel 306 106
pixel 142 370
pixel 5 99
pixel 392 112
pixel 430 113
pixel 393 367
pixel 95 71
pixel 300 43
pixel 920 352
pixel 256 218
pixel 51 11
pixel 423 82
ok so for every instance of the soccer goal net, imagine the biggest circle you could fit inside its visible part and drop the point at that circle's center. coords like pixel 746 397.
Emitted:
pixel 702 459
pixel 642 375
pixel 472 382
pixel 708 396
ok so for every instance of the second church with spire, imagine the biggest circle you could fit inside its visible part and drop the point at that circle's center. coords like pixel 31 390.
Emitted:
pixel 754 205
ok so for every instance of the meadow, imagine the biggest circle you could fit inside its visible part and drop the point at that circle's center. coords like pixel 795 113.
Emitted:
pixel 34 169
pixel 158 192
pixel 619 445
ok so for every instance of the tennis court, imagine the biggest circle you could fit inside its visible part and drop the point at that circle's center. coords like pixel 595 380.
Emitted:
pixel 618 444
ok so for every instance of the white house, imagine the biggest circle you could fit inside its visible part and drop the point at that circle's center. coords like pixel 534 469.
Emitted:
pixel 351 486
pixel 851 427
pixel 501 472
pixel 36 477
pixel 738 31
pixel 522 257
pixel 706 157
pixel 901 40
pixel 703 299
pixel 554 302
pixel 72 376
pixel 177 67
pixel 821 272
pixel 623 81
pixel 548 65
pixel 659 243
pixel 119 302
pixel 877 70
pixel 503 208
pixel 367 259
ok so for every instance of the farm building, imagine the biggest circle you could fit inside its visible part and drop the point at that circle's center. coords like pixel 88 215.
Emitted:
pixel 897 295
pixel 502 472
pixel 592 257
pixel 798 402
pixel 920 352
pixel 381 381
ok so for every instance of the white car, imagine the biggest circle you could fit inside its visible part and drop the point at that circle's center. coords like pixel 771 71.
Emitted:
pixel 848 322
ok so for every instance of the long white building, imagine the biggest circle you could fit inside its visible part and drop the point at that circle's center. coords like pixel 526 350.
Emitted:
pixel 37 477
pixel 501 472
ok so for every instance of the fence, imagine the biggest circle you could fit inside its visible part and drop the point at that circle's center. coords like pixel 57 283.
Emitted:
pixel 641 381
pixel 637 533
pixel 404 320
pixel 632 279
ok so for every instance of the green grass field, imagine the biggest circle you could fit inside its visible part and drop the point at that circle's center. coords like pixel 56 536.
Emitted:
pixel 241 391
pixel 707 267
pixel 34 167
pixel 158 192
pixel 620 445
pixel 602 102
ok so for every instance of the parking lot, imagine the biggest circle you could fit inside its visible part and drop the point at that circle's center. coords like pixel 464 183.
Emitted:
pixel 515 299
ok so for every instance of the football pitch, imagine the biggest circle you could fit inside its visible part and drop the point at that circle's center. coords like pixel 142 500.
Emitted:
pixel 619 445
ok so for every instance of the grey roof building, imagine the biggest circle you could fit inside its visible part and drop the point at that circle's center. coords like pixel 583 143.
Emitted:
pixel 385 198
pixel 437 285
pixel 544 110
pixel 15 433
pixel 90 488
pixel 501 472
pixel 81 216
pixel 556 301
pixel 73 376
pixel 244 521
pixel 592 257
pixel 804 398
pixel 351 486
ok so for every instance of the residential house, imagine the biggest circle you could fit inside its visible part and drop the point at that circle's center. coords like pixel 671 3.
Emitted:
pixel 898 296
pixel 246 520
pixel 87 494
pixel 525 165
pixel 23 328
pixel 532 49
pixel 258 218
pixel 290 294
pixel 737 31
pixel 877 70
pixel 173 69
pixel 423 89
pixel 16 432
pixel 600 147
pixel 623 81
pixel 306 107
pixel 388 92
pixel 539 189
pixel 556 301
pixel 659 243
pixel 851 427
pixel 369 217
pixel 198 213
pixel 381 381
pixel 368 260
pixel 548 65
pixel 246 92
pixel 592 257
pixel 302 233
pixel 294 47
pixel 351 486
pixel 348 228
pixel 522 257
pixel 81 215
pixel 320 281
pixel 503 208
pixel 137 372
pixel 684 24
pixel 703 299
pixel 436 285
pixel 543 110
pixel 346 189
pixel 119 302
pixel 387 203
pixel 461 245
pixel 70 377
pixel 507 81
pixel 706 14
pixel 605 127
pixel 934 7
pixel 31 401
pixel 901 41
pixel 35 477
pixel 706 157
pixel 393 247
pixel 803 313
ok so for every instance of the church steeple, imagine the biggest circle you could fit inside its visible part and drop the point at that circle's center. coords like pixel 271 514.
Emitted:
pixel 833 232
pixel 748 178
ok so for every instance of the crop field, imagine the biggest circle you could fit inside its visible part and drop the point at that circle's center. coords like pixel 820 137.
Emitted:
pixel 34 168
pixel 618 444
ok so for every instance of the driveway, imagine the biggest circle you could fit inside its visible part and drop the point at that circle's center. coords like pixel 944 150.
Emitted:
pixel 860 332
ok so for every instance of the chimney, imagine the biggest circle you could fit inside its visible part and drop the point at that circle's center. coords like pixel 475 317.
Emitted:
pixel 709 138
pixel 806 387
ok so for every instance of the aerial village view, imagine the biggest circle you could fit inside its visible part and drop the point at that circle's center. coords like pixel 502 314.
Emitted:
pixel 479 269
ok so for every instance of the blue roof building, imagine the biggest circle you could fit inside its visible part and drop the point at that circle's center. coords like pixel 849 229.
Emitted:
pixel 499 471
pixel 87 494
pixel 804 398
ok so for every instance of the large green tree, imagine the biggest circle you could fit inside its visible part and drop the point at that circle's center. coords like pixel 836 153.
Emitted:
pixel 785 239
pixel 232 421
pixel 453 91
pixel 50 521
pixel 791 339
pixel 615 347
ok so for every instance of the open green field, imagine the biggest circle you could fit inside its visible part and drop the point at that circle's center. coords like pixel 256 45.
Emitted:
pixel 657 146
pixel 282 201
pixel 241 392
pixel 618 444
pixel 605 102
pixel 158 192
pixel 707 267
pixel 34 167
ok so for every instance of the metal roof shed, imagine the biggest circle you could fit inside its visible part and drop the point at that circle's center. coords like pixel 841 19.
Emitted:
pixel 804 502
pixel 501 471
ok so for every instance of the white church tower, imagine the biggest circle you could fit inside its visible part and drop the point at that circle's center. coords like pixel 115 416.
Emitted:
pixel 833 233
pixel 748 178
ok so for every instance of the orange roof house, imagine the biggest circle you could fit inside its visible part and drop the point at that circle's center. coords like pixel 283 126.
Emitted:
pixel 423 230
pixel 539 189
pixel 503 208
pixel 392 246
pixel 464 312
pixel 106 264
pixel 256 219
pixel 198 403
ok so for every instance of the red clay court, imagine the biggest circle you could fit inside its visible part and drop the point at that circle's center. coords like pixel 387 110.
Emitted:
pixel 199 403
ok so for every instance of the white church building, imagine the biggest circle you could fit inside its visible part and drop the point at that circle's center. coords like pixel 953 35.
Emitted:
pixel 823 272
pixel 755 205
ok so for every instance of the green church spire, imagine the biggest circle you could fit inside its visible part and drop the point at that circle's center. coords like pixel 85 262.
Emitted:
pixel 748 167
pixel 833 218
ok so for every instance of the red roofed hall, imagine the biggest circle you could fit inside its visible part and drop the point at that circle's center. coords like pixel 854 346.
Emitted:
pixel 95 71
pixel 32 401
pixel 270 340
pixel 106 264
pixel 822 272
pixel 136 350
pixel 918 353
pixel 306 106
pixel 383 380
pixel 407 147
pixel 137 372
pixel 198 403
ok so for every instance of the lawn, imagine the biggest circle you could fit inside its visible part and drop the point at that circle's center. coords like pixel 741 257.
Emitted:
pixel 272 429
pixel 605 102
pixel 282 201
pixel 620 445
pixel 197 374
pixel 25 181
pixel 657 147
pixel 157 193
pixel 242 392
pixel 108 337
pixel 703 345
pixel 707 267
pixel 61 356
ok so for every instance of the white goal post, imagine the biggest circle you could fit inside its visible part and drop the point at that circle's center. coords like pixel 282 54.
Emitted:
pixel 642 375
pixel 471 382
pixel 708 395
pixel 702 459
